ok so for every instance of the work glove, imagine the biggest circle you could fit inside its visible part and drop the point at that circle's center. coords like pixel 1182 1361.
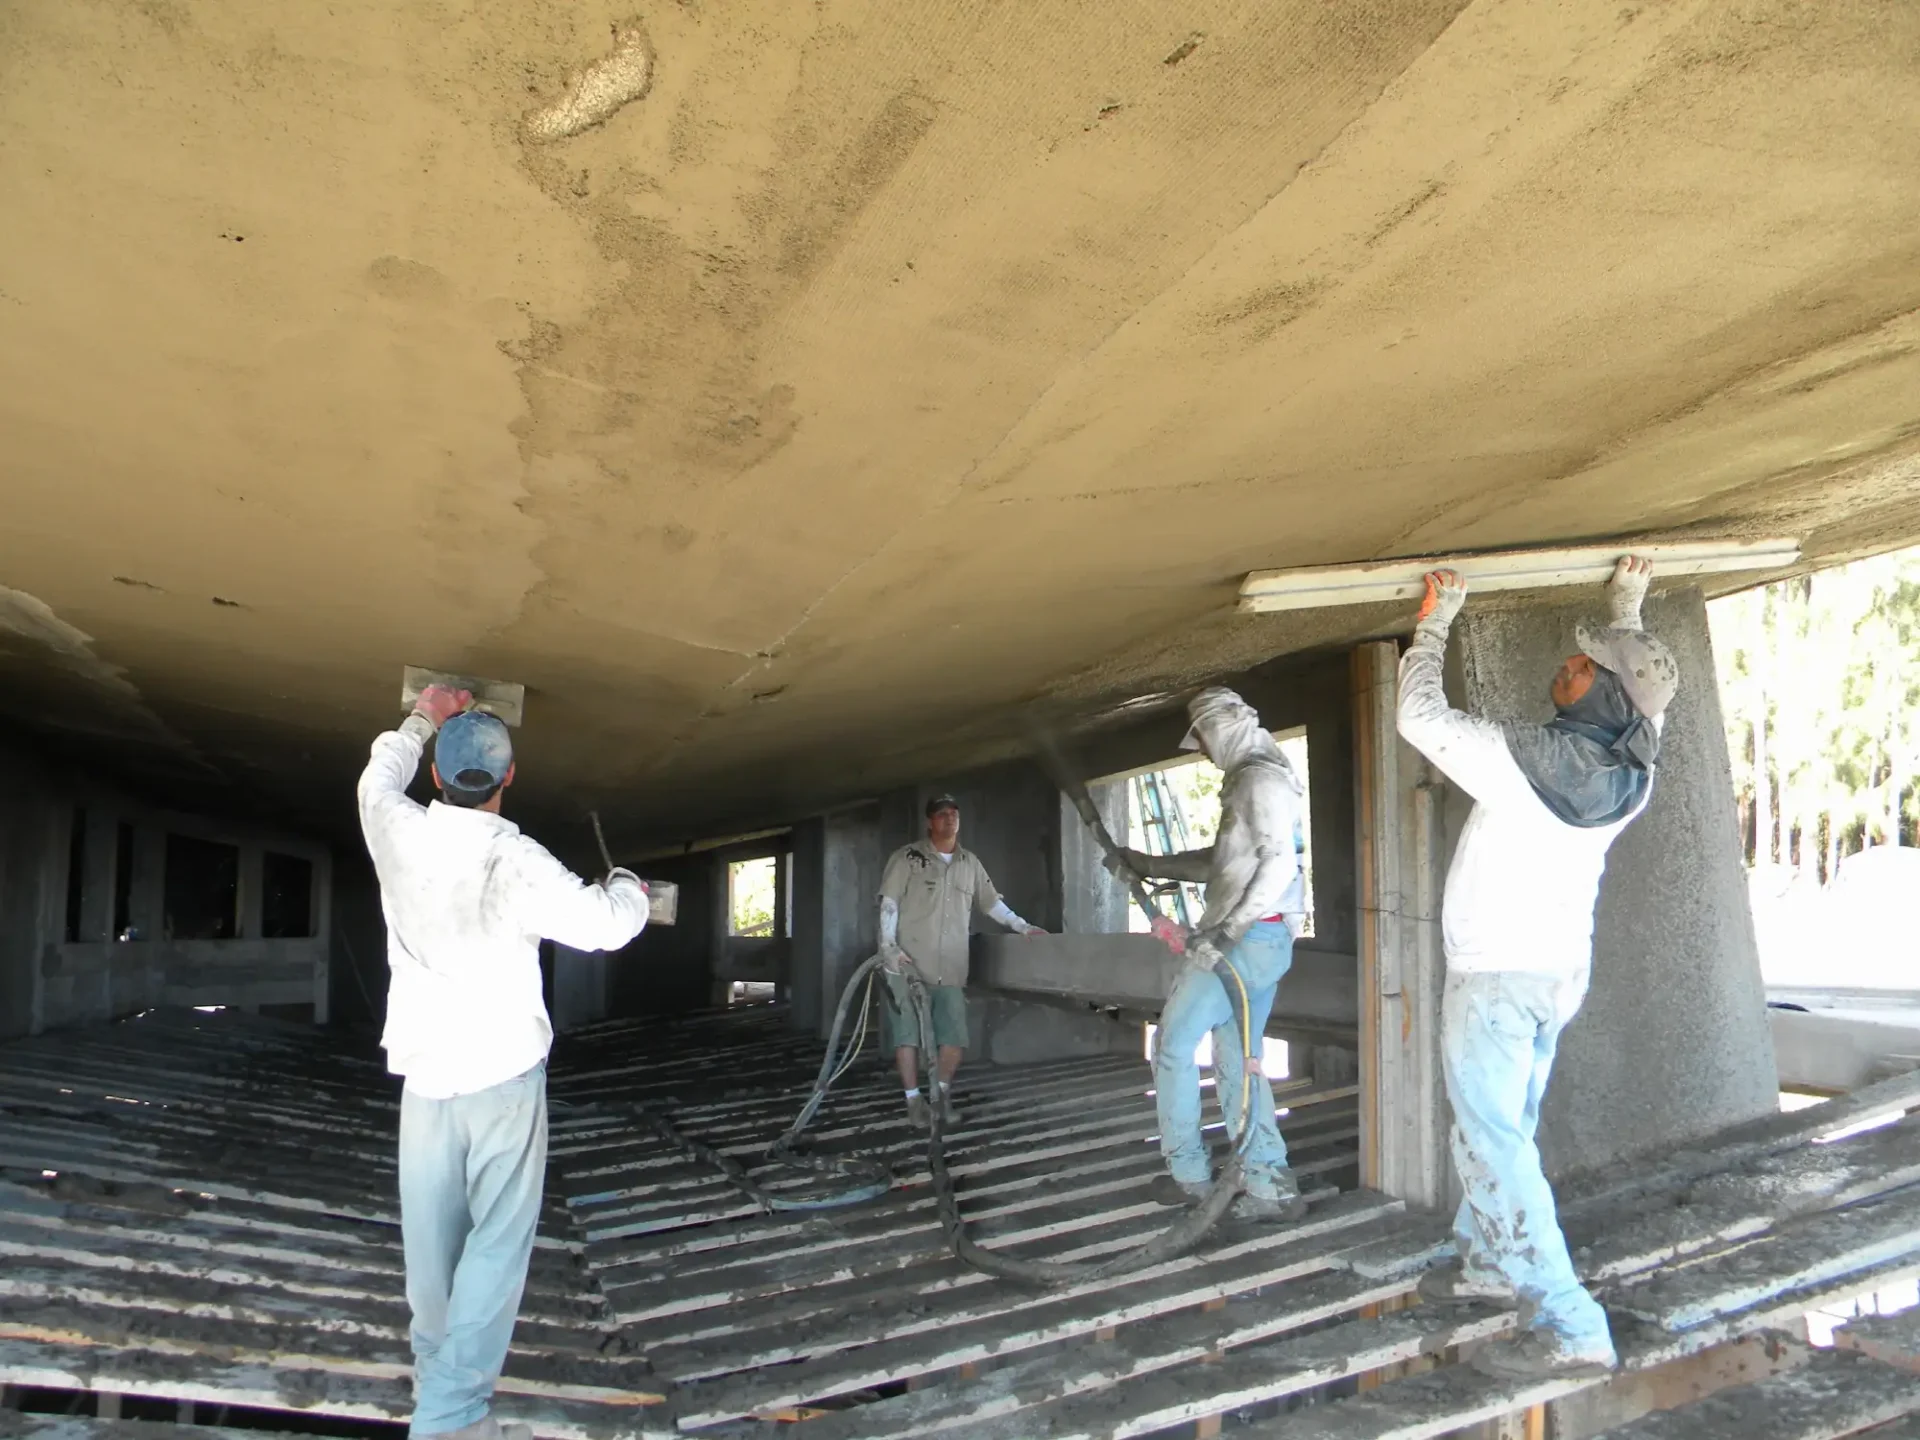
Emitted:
pixel 1203 952
pixel 1625 591
pixel 618 874
pixel 440 703
pixel 1446 593
pixel 1168 933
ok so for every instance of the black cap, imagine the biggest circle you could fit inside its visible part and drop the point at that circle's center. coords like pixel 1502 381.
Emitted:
pixel 939 803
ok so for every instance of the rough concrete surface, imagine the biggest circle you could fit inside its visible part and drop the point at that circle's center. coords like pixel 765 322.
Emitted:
pixel 787 415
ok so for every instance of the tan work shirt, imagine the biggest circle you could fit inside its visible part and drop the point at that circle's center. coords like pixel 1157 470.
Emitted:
pixel 936 899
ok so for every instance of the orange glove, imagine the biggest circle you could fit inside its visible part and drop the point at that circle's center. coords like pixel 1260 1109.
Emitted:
pixel 440 703
pixel 1446 593
pixel 1169 934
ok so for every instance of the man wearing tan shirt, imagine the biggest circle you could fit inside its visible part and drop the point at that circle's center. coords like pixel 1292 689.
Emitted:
pixel 928 895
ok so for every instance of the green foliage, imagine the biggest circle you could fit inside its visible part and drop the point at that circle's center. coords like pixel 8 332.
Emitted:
pixel 1819 680
pixel 751 883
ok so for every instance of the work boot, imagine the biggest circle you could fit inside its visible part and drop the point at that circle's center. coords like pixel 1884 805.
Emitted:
pixel 1270 1209
pixel 1165 1190
pixel 1453 1281
pixel 1544 1355
pixel 918 1115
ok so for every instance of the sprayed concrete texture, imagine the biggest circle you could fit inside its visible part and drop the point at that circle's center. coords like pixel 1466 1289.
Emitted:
pixel 789 394
pixel 1673 1041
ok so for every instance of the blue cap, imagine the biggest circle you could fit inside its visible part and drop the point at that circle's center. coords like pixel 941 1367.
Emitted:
pixel 474 752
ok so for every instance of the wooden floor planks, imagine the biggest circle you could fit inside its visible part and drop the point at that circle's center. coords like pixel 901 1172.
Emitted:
pixel 221 1228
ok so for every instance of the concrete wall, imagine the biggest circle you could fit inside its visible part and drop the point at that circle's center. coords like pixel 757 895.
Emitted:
pixel 60 967
pixel 33 828
pixel 1673 1042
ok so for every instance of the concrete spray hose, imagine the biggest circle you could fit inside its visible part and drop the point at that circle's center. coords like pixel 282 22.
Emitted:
pixel 1192 1227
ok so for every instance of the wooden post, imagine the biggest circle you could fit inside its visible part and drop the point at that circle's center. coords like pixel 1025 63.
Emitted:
pixel 1400 867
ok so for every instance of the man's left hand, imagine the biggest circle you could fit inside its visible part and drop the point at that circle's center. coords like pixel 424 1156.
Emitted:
pixel 1033 930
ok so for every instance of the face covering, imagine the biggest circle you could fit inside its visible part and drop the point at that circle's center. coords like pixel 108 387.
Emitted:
pixel 1592 764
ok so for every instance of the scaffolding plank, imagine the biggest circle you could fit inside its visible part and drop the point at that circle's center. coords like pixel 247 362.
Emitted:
pixel 1835 1393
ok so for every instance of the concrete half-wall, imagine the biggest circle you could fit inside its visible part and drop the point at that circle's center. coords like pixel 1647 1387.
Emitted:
pixel 86 932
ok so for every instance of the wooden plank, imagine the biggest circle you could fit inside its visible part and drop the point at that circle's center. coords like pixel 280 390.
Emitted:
pixel 1421 1407
pixel 1007 1321
pixel 1835 1393
pixel 1051 1394
pixel 214 1381
pixel 1811 1251
pixel 1890 1339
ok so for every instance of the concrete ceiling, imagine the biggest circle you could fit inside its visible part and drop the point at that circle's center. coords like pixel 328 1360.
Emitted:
pixel 889 367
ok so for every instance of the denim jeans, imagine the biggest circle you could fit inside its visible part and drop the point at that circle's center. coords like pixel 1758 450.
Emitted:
pixel 472 1170
pixel 1498 1034
pixel 1199 1003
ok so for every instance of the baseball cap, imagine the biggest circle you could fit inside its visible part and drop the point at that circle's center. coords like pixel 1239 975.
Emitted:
pixel 1647 669
pixel 473 752
pixel 939 803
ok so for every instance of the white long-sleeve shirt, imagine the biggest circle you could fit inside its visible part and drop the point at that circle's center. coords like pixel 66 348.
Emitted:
pixel 468 899
pixel 1522 887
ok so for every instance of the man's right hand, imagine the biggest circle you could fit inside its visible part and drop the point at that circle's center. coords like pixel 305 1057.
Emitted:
pixel 440 703
pixel 1446 593
pixel 1625 591
pixel 894 960
pixel 1168 933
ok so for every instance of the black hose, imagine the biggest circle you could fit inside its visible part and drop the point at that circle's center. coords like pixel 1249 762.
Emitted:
pixel 1176 1240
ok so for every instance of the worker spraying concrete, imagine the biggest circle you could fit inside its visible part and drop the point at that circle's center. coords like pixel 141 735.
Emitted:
pixel 1256 899
pixel 1549 800
pixel 467 900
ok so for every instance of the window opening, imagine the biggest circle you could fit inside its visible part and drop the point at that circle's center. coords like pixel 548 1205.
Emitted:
pixel 76 871
pixel 202 889
pixel 123 883
pixel 750 897
pixel 1177 807
pixel 286 898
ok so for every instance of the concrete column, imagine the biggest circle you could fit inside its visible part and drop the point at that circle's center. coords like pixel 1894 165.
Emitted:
pixel 96 889
pixel 1673 1041
pixel 836 882
pixel 252 898
pixel 1092 901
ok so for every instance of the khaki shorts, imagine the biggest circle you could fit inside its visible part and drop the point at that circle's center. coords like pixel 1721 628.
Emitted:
pixel 902 1027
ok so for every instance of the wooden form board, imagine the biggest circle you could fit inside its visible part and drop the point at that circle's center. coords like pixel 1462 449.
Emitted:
pixel 231 1240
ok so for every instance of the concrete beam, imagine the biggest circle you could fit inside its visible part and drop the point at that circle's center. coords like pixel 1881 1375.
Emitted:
pixel 1134 972
pixel 1830 1054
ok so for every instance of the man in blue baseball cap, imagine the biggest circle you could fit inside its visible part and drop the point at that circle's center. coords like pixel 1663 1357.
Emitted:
pixel 468 899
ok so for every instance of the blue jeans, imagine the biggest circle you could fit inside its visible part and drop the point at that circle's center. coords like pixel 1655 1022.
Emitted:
pixel 1498 1034
pixel 1198 1004
pixel 471 1174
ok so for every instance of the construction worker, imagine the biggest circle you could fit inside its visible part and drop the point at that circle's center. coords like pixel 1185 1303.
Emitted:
pixel 1518 925
pixel 468 899
pixel 1256 904
pixel 928 894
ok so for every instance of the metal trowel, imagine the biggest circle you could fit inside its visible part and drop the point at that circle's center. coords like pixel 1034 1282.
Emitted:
pixel 497 697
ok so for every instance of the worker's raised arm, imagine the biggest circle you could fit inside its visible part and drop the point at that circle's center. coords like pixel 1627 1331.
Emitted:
pixel 390 769
pixel 1192 865
pixel 1471 751
pixel 549 900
